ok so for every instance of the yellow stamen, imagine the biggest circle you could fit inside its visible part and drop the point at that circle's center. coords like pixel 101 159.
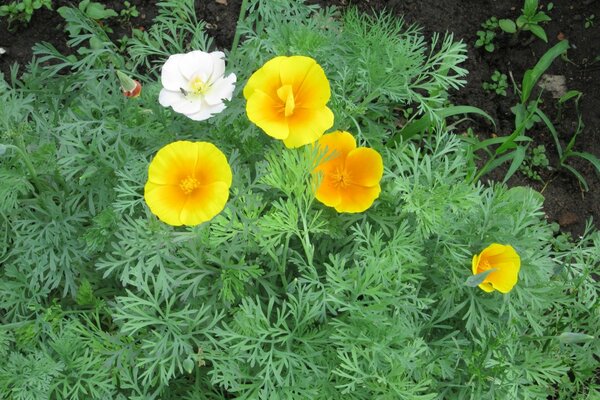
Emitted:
pixel 189 184
pixel 286 94
pixel 198 86
pixel 340 178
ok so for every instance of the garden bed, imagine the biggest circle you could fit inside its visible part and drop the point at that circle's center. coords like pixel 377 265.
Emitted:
pixel 304 216
pixel 565 200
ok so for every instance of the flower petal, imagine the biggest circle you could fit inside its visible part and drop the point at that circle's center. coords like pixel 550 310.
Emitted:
pixel 204 203
pixel 314 90
pixel 212 165
pixel 221 89
pixel 172 163
pixel 308 125
pixel 267 79
pixel 294 70
pixel 364 167
pixel 196 63
pixel 167 98
pixel 328 192
pixel 264 112
pixel 486 286
pixel 165 201
pixel 218 60
pixel 170 76
pixel 206 112
pixel 357 199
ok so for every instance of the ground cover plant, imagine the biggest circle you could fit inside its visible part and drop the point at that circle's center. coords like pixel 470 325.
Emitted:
pixel 313 251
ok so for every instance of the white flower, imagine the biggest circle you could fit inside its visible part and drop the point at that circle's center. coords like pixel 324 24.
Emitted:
pixel 194 85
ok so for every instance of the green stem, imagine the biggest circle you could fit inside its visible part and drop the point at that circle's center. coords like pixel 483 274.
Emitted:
pixel 236 38
pixel 28 164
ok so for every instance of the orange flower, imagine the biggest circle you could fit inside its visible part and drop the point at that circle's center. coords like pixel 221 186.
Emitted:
pixel 188 183
pixel 505 263
pixel 287 99
pixel 350 175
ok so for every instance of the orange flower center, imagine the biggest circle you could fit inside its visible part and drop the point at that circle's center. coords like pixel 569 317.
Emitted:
pixel 340 178
pixel 189 184
pixel 286 95
pixel 483 266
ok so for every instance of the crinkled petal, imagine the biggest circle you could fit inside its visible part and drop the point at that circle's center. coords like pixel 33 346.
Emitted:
pixel 267 114
pixel 314 90
pixel 206 112
pixel 218 60
pixel 266 79
pixel 205 202
pixel 357 199
pixel 486 286
pixel 221 89
pixel 196 63
pixel 328 192
pixel 167 98
pixel 172 163
pixel 294 70
pixel 165 201
pixel 212 165
pixel 364 167
pixel 170 76
pixel 188 106
pixel 307 126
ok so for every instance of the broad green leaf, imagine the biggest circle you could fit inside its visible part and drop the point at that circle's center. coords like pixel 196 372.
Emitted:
pixel 538 31
pixel 533 75
pixel 529 7
pixel 577 175
pixel 507 25
pixel 477 279
pixel 519 156
pixel 569 95
pixel 588 157
pixel 574 337
pixel 552 130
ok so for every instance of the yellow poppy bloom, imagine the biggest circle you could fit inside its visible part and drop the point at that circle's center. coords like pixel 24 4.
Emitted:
pixel 287 99
pixel 188 183
pixel 506 263
pixel 350 175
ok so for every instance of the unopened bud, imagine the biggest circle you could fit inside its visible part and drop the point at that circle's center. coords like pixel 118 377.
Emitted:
pixel 130 87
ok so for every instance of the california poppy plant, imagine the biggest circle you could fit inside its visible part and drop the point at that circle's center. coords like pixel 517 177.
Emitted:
pixel 287 99
pixel 503 261
pixel 350 175
pixel 188 183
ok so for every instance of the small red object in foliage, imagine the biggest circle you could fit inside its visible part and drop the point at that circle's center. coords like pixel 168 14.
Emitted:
pixel 135 92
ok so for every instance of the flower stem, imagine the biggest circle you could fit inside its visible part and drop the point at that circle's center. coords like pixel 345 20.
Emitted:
pixel 236 38
pixel 28 164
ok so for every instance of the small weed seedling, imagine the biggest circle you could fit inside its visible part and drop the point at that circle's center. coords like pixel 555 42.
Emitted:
pixel 22 11
pixel 486 36
pixel 535 161
pixel 498 84
pixel 129 11
pixel 530 20
pixel 589 21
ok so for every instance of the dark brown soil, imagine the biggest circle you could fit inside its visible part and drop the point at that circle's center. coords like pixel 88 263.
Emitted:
pixel 565 203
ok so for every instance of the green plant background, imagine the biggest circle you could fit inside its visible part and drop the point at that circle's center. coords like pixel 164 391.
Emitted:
pixel 278 297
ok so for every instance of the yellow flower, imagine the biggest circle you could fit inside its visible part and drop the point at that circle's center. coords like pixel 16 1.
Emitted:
pixel 350 175
pixel 506 264
pixel 188 183
pixel 287 99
